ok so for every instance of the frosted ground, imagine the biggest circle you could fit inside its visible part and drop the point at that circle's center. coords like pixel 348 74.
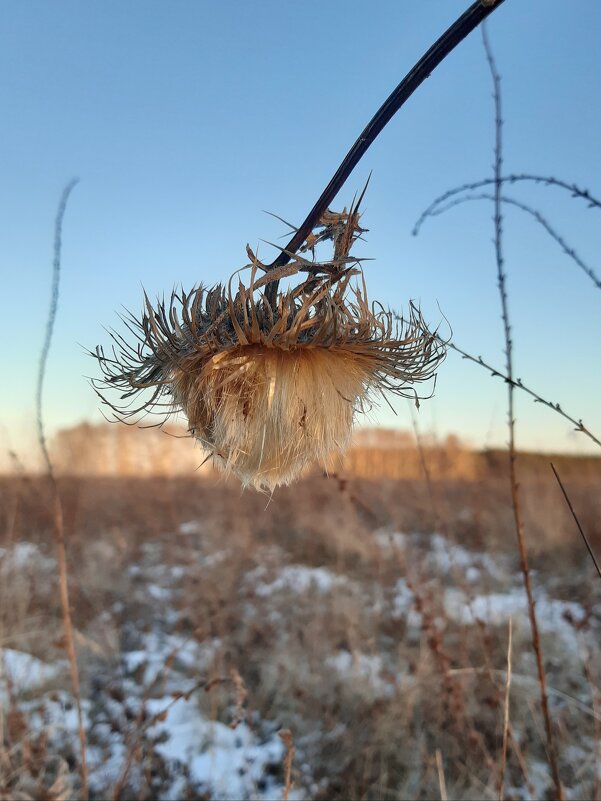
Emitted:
pixel 201 651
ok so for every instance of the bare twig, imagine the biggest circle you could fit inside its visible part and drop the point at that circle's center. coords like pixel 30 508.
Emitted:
pixel 437 520
pixel 58 526
pixel 54 294
pixel 574 515
pixel 596 722
pixel 506 716
pixel 241 695
pixel 441 780
pixel 469 20
pixel 519 384
pixel 567 249
pixel 285 736
pixel 515 495
pixel 574 190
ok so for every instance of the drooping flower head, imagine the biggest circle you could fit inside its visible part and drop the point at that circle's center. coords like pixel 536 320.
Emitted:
pixel 271 381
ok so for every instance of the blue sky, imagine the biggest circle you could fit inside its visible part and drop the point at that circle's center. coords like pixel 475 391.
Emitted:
pixel 184 120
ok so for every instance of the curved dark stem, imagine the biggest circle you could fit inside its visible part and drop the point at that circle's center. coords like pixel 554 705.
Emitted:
pixel 469 20
pixel 575 516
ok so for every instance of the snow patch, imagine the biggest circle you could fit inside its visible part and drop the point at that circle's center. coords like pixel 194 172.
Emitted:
pixel 190 527
pixel 362 670
pixel 396 540
pixel 26 672
pixel 300 579
pixel 496 608
pixel 445 556
pixel 25 556
pixel 226 763
pixel 187 654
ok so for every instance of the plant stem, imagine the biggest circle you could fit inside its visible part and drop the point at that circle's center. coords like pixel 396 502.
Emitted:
pixel 466 23
pixel 58 529
pixel 515 495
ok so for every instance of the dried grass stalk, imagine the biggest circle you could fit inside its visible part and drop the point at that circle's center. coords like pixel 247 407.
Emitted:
pixel 269 389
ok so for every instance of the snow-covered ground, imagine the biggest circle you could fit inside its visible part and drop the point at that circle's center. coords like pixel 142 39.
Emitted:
pixel 168 698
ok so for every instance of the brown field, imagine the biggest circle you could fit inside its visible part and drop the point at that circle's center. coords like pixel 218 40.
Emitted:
pixel 366 611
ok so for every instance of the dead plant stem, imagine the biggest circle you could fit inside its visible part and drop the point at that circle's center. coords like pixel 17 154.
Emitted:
pixel 449 40
pixel 574 190
pixel 515 495
pixel 506 716
pixel 441 780
pixel 576 520
pixel 535 214
pixel 286 737
pixel 517 383
pixel 58 528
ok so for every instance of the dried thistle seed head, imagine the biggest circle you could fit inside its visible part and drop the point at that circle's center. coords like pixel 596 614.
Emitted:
pixel 266 413
pixel 267 389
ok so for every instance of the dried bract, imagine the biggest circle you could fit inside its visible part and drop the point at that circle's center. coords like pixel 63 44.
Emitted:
pixel 267 389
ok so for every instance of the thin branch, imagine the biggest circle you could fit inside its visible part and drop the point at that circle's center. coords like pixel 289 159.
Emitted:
pixel 58 523
pixel 567 249
pixel 54 293
pixel 285 736
pixel 574 190
pixel 597 719
pixel 506 725
pixel 574 515
pixel 519 384
pixel 579 425
pixel 468 21
pixel 515 495
pixel 441 780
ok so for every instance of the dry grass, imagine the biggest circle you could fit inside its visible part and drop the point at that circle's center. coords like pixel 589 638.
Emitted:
pixel 371 661
pixel 361 617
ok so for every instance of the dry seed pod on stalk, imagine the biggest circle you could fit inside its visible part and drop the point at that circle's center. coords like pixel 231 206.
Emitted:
pixel 269 389
pixel 270 381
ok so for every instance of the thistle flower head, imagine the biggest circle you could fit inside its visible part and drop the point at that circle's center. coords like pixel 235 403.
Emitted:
pixel 269 387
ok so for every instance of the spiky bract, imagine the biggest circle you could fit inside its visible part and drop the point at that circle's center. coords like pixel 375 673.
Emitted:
pixel 270 389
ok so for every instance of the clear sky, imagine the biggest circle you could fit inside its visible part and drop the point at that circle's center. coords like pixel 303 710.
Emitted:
pixel 184 120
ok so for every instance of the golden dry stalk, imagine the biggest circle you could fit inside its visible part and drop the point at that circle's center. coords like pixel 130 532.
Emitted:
pixel 269 390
